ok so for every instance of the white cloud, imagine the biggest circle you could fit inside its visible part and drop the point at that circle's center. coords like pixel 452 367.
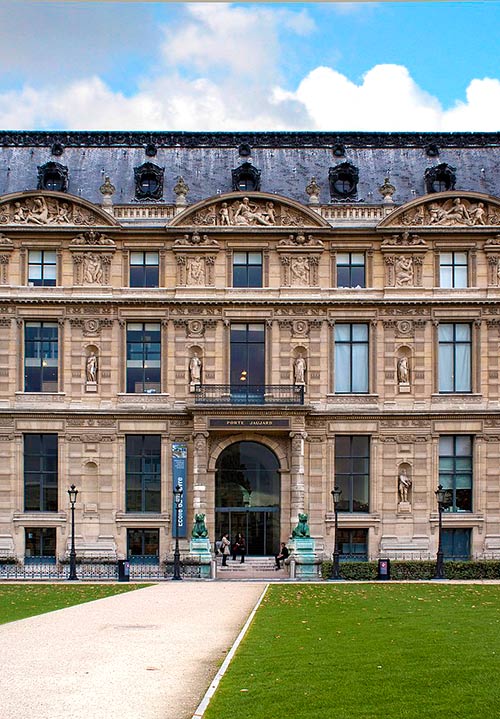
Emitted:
pixel 231 39
pixel 72 39
pixel 481 111
pixel 387 99
pixel 218 68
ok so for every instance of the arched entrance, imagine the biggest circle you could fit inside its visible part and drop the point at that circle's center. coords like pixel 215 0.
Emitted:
pixel 247 496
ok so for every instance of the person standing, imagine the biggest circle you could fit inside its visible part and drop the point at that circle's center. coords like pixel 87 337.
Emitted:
pixel 224 548
pixel 239 547
pixel 243 548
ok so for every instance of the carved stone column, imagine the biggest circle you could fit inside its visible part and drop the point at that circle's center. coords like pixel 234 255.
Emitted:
pixel 200 460
pixel 297 475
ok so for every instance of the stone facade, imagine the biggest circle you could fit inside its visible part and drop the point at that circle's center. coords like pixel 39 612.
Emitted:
pixel 405 409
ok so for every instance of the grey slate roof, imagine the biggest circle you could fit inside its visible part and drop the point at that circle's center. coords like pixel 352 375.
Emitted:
pixel 287 161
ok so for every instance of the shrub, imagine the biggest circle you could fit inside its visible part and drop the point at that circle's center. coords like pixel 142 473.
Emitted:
pixel 414 570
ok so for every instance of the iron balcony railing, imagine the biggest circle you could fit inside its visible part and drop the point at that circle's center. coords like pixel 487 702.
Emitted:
pixel 249 394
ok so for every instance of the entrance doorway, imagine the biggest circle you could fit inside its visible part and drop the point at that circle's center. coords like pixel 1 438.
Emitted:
pixel 247 496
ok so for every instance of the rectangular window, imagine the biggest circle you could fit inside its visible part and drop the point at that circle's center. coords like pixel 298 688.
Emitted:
pixel 40 544
pixel 353 545
pixel 247 354
pixel 453 269
pixel 455 472
pixel 40 473
pixel 456 545
pixel 144 269
pixel 351 358
pixel 42 266
pixel 352 472
pixel 143 357
pixel 247 269
pixel 41 357
pixel 143 473
pixel 351 269
pixel 455 374
pixel 143 545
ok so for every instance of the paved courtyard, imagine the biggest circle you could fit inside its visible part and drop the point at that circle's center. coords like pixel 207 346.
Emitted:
pixel 148 654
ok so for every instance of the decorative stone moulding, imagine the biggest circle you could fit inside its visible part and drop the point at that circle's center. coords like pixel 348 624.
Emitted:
pixel 239 210
pixel 440 178
pixel 53 176
pixel 446 210
pixel 148 181
pixel 51 209
pixel 343 179
pixel 246 177
pixel 6 247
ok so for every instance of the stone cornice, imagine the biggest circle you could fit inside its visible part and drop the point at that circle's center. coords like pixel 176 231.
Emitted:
pixel 101 139
pixel 168 304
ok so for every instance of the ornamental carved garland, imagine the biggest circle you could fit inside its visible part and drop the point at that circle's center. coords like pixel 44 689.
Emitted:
pixel 42 210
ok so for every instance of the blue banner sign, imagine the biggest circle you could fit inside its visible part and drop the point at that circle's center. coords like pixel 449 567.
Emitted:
pixel 179 472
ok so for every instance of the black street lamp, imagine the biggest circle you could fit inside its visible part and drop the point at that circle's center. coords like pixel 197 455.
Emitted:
pixel 72 493
pixel 440 496
pixel 177 556
pixel 335 567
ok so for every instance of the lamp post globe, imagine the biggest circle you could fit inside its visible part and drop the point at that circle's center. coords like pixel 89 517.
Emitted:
pixel 177 556
pixel 335 575
pixel 72 494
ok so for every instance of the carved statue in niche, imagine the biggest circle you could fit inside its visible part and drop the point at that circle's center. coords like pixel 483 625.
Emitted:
pixel 91 367
pixel 194 371
pixel 195 271
pixel 404 485
pixel 299 270
pixel 403 370
pixel 92 269
pixel 248 213
pixel 404 271
pixel 299 370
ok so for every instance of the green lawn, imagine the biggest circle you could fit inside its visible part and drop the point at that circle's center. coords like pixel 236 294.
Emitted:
pixel 18 601
pixel 367 652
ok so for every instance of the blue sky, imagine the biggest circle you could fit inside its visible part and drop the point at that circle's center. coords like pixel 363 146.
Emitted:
pixel 218 66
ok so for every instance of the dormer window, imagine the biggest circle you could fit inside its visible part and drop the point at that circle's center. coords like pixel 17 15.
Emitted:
pixel 53 177
pixel 440 178
pixel 246 178
pixel 343 180
pixel 148 181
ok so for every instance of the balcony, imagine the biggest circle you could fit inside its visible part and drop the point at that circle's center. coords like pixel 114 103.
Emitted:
pixel 234 394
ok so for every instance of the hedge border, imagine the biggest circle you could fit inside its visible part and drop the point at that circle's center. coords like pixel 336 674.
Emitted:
pixel 483 569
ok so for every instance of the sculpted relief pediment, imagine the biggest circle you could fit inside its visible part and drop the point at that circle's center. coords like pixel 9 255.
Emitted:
pixel 50 208
pixel 238 210
pixel 447 209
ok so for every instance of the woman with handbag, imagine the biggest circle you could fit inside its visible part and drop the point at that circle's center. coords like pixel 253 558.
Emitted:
pixel 224 548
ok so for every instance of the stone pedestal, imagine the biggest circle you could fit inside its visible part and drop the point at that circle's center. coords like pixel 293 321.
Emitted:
pixel 91 387
pixel 404 388
pixel 200 550
pixel 304 557
pixel 404 508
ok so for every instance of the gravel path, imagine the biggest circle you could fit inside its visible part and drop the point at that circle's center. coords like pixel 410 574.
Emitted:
pixel 148 654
